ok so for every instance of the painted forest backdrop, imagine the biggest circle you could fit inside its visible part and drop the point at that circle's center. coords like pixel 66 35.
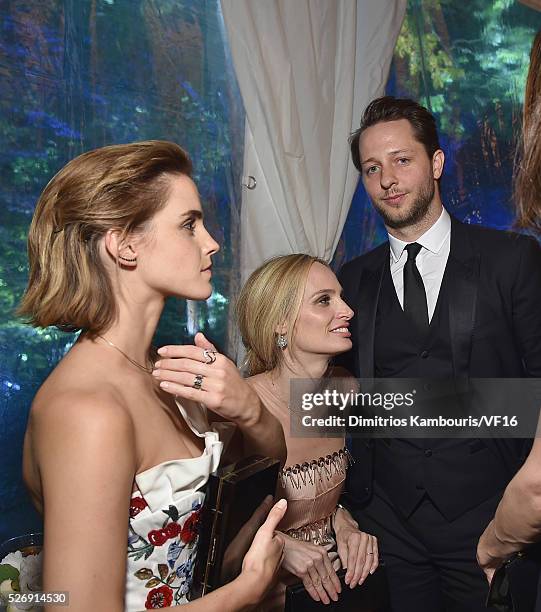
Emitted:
pixel 78 74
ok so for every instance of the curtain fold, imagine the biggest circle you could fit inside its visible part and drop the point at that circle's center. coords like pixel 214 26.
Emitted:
pixel 306 69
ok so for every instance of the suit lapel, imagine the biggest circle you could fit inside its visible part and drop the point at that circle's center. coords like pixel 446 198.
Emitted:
pixel 462 272
pixel 367 304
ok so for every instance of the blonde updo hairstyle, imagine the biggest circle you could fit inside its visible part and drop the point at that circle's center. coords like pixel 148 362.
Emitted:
pixel 117 187
pixel 271 299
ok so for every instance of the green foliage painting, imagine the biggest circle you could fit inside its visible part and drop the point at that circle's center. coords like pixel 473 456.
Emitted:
pixel 467 62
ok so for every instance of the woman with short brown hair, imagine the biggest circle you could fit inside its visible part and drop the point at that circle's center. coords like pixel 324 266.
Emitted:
pixel 115 457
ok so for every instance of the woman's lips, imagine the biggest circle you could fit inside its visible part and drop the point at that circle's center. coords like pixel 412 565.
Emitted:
pixel 341 331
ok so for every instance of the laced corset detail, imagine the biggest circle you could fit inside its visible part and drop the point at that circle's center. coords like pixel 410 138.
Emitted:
pixel 302 474
pixel 313 489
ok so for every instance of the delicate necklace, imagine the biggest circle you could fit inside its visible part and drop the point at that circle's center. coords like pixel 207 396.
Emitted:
pixel 135 363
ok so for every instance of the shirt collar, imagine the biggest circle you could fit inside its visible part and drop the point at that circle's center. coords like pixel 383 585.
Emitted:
pixel 432 240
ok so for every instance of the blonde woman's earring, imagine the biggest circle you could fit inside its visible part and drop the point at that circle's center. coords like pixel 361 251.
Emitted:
pixel 281 341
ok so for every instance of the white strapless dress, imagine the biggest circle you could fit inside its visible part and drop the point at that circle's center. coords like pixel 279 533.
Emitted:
pixel 164 520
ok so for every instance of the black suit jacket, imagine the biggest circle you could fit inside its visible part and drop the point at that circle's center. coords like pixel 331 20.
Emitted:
pixel 494 306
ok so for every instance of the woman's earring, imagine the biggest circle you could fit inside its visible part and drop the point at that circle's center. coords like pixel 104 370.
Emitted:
pixel 281 341
pixel 131 260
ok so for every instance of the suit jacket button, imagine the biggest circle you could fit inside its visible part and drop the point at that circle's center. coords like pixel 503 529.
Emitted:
pixel 428 452
pixel 424 354
pixel 367 489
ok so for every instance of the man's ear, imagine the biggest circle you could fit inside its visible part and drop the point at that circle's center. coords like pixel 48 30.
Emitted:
pixel 438 161
pixel 120 250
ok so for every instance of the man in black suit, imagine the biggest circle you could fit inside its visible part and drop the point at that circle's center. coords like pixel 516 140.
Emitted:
pixel 442 300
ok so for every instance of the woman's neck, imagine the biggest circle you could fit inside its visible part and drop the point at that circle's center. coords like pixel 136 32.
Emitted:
pixel 280 378
pixel 134 328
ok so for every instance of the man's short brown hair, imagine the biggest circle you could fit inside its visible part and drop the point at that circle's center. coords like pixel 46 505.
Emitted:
pixel 389 108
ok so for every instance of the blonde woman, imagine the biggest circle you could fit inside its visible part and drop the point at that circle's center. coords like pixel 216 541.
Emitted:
pixel 293 321
pixel 113 460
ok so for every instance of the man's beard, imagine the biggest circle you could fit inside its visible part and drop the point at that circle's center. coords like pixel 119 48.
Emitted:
pixel 417 211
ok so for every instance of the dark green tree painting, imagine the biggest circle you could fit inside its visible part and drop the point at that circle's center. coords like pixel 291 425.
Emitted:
pixel 467 62
pixel 78 74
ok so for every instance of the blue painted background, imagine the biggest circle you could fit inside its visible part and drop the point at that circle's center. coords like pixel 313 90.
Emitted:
pixel 76 74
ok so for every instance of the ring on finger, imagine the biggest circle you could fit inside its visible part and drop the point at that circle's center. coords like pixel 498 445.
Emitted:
pixel 209 356
pixel 198 382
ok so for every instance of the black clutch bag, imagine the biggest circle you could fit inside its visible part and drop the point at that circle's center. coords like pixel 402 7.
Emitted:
pixel 515 585
pixel 371 596
pixel 233 511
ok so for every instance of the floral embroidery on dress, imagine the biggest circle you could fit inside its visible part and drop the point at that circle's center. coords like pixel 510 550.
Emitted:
pixel 136 505
pixel 168 583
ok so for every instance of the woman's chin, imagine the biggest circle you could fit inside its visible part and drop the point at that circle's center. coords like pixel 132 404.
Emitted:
pixel 200 293
pixel 338 348
pixel 347 345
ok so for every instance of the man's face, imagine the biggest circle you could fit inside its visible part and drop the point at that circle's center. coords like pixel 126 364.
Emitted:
pixel 398 175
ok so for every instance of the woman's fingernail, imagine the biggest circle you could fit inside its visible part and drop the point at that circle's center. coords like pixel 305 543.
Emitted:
pixel 281 504
pixel 164 384
pixel 158 364
pixel 162 350
pixel 155 373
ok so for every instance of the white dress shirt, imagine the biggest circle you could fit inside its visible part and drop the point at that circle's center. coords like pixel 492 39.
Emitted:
pixel 430 261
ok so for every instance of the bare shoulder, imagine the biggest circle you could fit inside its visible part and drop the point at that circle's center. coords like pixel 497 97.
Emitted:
pixel 76 421
pixel 80 408
pixel 81 459
pixel 259 383
pixel 253 380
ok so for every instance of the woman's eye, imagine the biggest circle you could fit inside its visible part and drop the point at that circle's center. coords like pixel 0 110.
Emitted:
pixel 190 225
pixel 325 299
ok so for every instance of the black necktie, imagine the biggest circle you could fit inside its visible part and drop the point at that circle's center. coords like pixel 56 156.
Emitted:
pixel 414 290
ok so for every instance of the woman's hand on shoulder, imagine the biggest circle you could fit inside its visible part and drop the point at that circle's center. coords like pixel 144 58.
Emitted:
pixel 84 447
pixel 312 564
pixel 358 551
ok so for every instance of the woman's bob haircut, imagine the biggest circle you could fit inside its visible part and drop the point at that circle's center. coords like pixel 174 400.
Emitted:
pixel 118 187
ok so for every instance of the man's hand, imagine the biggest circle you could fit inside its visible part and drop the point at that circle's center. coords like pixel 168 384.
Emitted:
pixel 487 560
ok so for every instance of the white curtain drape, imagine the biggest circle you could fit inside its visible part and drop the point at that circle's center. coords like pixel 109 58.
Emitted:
pixel 306 70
